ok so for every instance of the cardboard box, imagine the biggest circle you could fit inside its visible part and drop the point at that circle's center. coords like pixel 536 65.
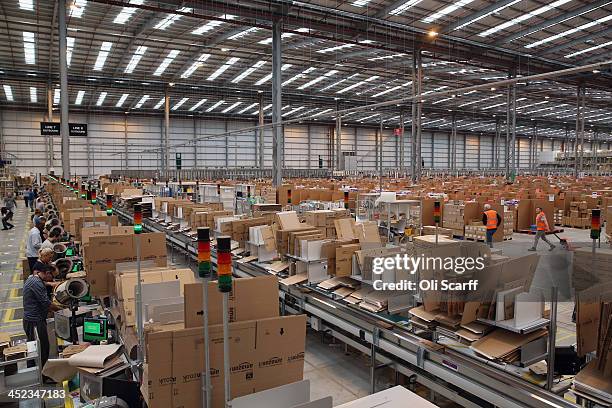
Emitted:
pixel 251 298
pixel 88 232
pixel 344 259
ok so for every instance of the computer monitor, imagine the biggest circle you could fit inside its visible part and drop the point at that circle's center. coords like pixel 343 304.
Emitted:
pixel 69 252
pixel 95 329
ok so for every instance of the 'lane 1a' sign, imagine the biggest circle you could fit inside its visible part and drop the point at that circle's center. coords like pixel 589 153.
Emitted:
pixel 53 129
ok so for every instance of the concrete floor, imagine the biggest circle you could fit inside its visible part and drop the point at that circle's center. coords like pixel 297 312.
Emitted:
pixel 344 376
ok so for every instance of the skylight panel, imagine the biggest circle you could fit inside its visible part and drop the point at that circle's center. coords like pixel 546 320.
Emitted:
pixel 77 8
pixel 232 106
pixel 265 108
pixel 56 96
pixel 171 18
pixel 360 3
pixel 319 79
pixel 294 110
pixel 446 10
pixel 323 112
pixel 135 59
pixel 26 5
pixel 197 105
pixel 29 47
pixel 386 57
pixel 479 100
pixel 442 100
pixel 248 71
pixel 211 25
pixel 494 106
pixel 8 92
pixel 569 32
pixel 122 100
pixel 69 49
pixel 142 101
pixel 79 98
pixel 166 62
pixel 179 103
pixel 160 103
pixel 523 17
pixel 33 94
pixel 336 48
pixel 243 33
pixel 251 106
pixel 497 10
pixel 357 84
pixel 197 64
pixel 126 12
pixel 215 106
pixel 392 89
pixel 298 76
pixel 102 55
pixel 223 68
pixel 101 98
pixel 333 84
pixel 438 89
pixel 284 35
pixel 408 4
pixel 369 117
pixel 531 104
pixel 269 76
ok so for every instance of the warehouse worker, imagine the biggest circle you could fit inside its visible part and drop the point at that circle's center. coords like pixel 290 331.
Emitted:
pixel 542 227
pixel 36 306
pixel 35 241
pixel 491 220
pixel 54 236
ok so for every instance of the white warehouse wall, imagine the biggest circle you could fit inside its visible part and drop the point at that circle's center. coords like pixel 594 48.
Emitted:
pixel 108 135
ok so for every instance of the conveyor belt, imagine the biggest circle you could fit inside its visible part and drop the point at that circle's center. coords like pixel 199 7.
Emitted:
pixel 469 381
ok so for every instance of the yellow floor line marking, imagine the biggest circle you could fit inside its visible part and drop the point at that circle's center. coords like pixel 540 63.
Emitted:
pixel 9 315
pixel 17 278
pixel 14 294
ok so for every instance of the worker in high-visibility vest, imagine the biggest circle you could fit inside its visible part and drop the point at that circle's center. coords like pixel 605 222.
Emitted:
pixel 542 227
pixel 491 220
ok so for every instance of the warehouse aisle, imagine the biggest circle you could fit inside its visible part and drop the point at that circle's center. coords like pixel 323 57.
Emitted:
pixel 12 249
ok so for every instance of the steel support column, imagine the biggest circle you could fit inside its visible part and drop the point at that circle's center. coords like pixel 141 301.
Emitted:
pixel 401 143
pixel 419 115
pixel 125 141
pixel 165 160
pixel 195 144
pixel 582 113
pixel 577 133
pixel 277 129
pixel 380 153
pixel 308 152
pixel 261 133
pixel 49 139
pixel 534 160
pixel 63 68
pixel 497 142
pixel 338 140
pixel 413 124
pixel 514 163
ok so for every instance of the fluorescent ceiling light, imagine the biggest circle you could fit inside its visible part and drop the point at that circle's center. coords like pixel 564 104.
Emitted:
pixel 8 92
pixel 101 98
pixel 294 110
pixel 251 106
pixel 343 46
pixel 29 47
pixel 79 97
pixel 126 12
pixel 267 77
pixel 479 100
pixel 167 61
pixel 26 5
pixel 569 32
pixel 438 89
pixel 232 106
pixel 298 76
pixel 369 117
pixel 395 88
pixel 179 103
pixel 265 108
pixel 446 10
pixel 322 112
pixel 77 8
pixel 160 103
pixel 33 94
pixel 493 106
pixel 318 79
pixel 56 96
pixel 223 68
pixel 486 15
pixel 442 100
pixel 215 106
pixel 69 49
pixel 197 64
pixel 284 35
pixel 102 55
pixel 360 3
pixel 355 85
pixel 243 33
pixel 171 18
pixel 408 4
pixel 248 71
pixel 135 59
pixel 386 57
pixel 212 25
pixel 197 105
pixel 333 84
pixel 142 101
pixel 121 100
pixel 531 104
pixel 523 17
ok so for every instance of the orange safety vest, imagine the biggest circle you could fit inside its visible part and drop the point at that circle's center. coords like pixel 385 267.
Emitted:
pixel 491 219
pixel 541 221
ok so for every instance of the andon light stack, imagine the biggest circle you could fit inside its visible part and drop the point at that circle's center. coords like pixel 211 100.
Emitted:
pixel 139 317
pixel 224 272
pixel 204 271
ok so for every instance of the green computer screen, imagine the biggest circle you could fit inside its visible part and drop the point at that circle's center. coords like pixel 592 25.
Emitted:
pixel 93 328
pixel 69 252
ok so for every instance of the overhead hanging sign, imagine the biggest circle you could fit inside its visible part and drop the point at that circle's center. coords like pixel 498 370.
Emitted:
pixel 49 128
pixel 53 129
pixel 77 129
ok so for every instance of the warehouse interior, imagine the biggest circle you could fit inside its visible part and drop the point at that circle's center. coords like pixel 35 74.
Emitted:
pixel 314 203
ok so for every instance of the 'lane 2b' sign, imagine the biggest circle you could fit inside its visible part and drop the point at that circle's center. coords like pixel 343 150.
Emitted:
pixel 53 129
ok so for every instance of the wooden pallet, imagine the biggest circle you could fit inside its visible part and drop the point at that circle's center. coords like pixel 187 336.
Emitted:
pixel 531 232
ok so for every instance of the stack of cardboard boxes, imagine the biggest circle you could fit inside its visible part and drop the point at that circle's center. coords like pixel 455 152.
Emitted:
pixel 579 215
pixel 324 220
pixel 458 214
